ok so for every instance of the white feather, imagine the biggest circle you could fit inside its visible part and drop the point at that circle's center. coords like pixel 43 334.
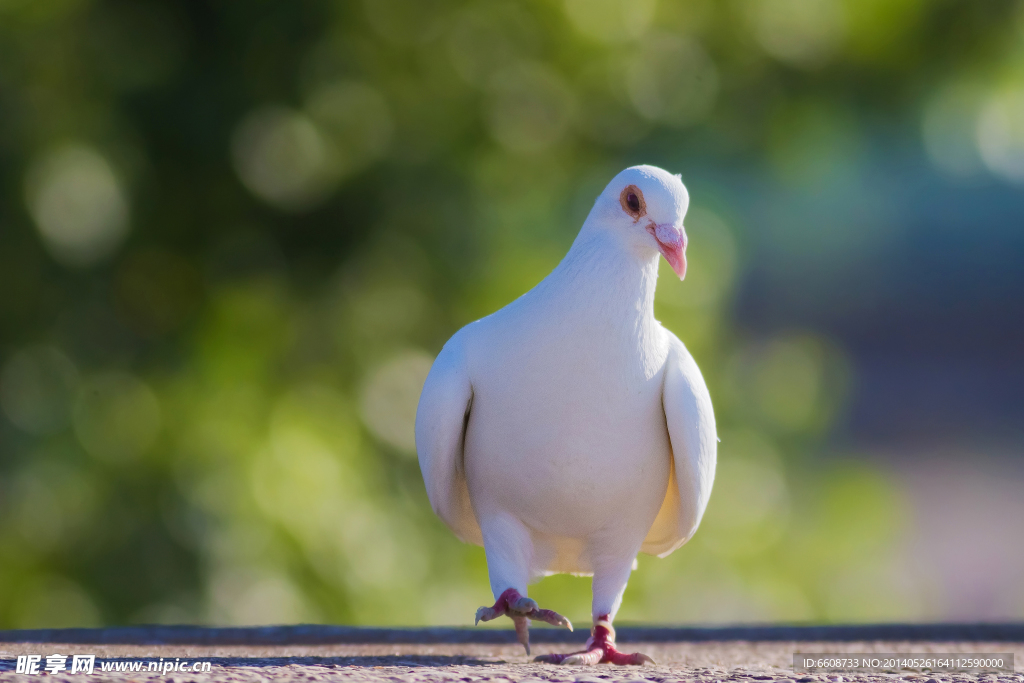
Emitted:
pixel 569 430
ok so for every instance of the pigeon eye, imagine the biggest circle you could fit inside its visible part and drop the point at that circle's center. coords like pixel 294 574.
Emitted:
pixel 632 201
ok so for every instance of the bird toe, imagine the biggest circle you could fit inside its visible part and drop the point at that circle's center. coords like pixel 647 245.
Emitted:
pixel 551 617
pixel 588 658
pixel 485 614
pixel 522 625
pixel 524 606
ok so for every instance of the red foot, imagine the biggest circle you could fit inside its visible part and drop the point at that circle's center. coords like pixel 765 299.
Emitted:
pixel 600 649
pixel 520 609
pixel 515 605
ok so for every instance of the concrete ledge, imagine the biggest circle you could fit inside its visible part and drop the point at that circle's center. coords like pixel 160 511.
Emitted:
pixel 315 653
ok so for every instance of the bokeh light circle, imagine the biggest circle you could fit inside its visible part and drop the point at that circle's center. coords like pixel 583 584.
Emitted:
pixel 530 108
pixel 389 399
pixel 803 33
pixel 948 129
pixel 673 80
pixel 78 204
pixel 611 21
pixel 283 158
pixel 1000 134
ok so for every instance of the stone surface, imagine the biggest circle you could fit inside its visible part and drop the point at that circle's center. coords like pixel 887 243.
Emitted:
pixel 321 653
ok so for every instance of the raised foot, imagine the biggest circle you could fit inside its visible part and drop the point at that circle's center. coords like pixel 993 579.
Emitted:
pixel 521 610
pixel 515 605
pixel 600 649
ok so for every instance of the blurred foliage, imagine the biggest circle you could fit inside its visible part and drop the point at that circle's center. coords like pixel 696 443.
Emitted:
pixel 233 235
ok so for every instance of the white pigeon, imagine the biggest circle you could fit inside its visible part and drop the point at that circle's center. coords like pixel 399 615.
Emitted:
pixel 569 431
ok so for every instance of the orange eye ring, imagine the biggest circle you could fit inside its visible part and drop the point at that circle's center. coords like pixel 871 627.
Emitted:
pixel 632 201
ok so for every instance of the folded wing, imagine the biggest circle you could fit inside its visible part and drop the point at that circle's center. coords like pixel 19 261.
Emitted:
pixel 441 419
pixel 691 428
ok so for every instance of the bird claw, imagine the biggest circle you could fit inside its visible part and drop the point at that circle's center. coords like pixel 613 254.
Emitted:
pixel 515 605
pixel 600 650
pixel 588 658
pixel 521 610
pixel 585 658
pixel 522 632
pixel 523 605
pixel 529 608
pixel 486 614
pixel 550 617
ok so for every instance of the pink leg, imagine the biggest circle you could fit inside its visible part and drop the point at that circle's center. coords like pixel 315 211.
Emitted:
pixel 521 610
pixel 600 649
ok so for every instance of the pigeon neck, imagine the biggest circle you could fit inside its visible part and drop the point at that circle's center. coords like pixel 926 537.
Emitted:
pixel 610 275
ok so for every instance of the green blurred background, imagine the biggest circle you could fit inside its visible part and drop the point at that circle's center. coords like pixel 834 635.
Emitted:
pixel 233 236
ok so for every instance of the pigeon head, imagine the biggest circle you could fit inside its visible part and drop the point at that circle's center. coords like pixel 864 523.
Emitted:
pixel 644 207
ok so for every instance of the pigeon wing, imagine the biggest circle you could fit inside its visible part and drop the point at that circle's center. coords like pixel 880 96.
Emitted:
pixel 441 419
pixel 691 428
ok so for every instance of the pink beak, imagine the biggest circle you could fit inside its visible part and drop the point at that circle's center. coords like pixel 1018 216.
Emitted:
pixel 672 244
